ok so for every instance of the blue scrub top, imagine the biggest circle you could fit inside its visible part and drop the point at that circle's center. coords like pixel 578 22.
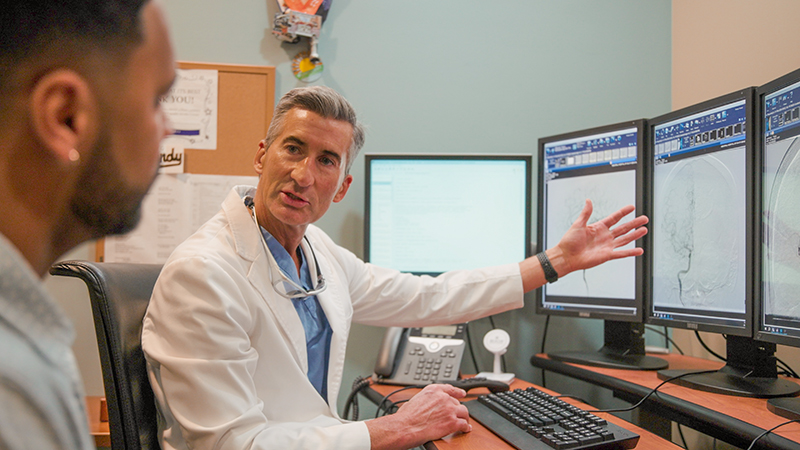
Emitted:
pixel 318 330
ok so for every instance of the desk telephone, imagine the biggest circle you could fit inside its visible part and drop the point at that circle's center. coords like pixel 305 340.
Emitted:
pixel 424 355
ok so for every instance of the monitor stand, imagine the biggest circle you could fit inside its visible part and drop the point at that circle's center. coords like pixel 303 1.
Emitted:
pixel 751 371
pixel 788 407
pixel 623 348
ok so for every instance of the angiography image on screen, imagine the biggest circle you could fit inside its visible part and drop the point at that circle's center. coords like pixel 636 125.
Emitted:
pixel 781 237
pixel 703 242
pixel 700 240
pixel 565 200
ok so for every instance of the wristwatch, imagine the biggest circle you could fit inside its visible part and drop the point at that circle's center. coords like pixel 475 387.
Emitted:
pixel 549 273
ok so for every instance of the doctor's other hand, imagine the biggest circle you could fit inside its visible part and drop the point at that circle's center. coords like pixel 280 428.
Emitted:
pixel 432 413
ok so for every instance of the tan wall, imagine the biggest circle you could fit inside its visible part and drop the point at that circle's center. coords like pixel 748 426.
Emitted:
pixel 720 46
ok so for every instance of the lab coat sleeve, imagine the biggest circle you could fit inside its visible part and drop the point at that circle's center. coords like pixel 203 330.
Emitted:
pixel 197 340
pixel 386 297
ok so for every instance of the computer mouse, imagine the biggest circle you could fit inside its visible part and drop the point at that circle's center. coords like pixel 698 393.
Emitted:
pixel 469 383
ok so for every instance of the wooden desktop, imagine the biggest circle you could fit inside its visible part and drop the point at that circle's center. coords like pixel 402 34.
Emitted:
pixel 736 420
pixel 482 439
pixel 98 420
pixel 479 439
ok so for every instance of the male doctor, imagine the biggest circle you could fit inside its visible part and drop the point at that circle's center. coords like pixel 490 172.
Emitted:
pixel 246 330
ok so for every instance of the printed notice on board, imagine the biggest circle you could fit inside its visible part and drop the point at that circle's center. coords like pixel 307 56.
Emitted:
pixel 191 106
pixel 174 208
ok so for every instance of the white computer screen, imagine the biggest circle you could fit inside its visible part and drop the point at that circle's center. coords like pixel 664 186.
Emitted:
pixel 430 214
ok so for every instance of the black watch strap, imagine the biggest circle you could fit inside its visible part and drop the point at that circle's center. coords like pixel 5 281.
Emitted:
pixel 549 273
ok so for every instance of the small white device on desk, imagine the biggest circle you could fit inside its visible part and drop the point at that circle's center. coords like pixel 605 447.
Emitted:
pixel 497 341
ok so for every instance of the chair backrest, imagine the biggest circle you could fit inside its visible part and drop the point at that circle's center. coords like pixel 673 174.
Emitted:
pixel 119 294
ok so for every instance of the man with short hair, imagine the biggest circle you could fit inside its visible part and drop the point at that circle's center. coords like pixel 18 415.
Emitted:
pixel 80 123
pixel 246 331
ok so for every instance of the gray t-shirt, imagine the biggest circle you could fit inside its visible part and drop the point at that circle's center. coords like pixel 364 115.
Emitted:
pixel 41 395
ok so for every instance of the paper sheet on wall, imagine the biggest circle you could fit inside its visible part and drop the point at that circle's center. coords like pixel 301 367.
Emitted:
pixel 176 206
pixel 191 106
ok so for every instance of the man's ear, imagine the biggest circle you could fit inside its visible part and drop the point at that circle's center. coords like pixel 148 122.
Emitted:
pixel 343 189
pixel 258 163
pixel 64 114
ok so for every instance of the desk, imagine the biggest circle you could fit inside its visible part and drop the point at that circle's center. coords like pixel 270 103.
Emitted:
pixel 736 420
pixel 97 426
pixel 482 439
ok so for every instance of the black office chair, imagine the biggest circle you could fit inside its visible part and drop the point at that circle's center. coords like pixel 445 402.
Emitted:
pixel 119 294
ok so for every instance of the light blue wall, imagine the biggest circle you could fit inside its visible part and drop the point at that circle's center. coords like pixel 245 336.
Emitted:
pixel 458 76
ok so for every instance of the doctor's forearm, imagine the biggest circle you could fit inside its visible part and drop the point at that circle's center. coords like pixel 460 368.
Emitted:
pixel 386 434
pixel 533 273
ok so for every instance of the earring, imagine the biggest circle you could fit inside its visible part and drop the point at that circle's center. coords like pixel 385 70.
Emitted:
pixel 74 155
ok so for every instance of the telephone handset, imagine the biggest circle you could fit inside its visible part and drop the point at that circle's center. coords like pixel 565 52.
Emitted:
pixel 420 355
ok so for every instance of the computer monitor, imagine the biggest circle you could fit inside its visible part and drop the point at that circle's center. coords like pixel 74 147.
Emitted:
pixel 778 253
pixel 701 239
pixel 428 214
pixel 602 164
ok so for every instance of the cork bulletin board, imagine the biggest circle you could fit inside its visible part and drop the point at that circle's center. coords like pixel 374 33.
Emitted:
pixel 246 99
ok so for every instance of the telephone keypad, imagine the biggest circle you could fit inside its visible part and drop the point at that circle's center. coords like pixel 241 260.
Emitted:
pixel 431 367
pixel 429 358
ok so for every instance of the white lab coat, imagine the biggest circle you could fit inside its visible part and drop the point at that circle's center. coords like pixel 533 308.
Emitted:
pixel 227 355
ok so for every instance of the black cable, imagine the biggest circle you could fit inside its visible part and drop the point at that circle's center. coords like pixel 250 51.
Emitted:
pixel 394 407
pixel 788 368
pixel 697 333
pixel 783 369
pixel 652 391
pixel 683 438
pixel 386 397
pixel 471 351
pixel 667 338
pixel 770 431
pixel 544 332
pixel 544 338
pixel 352 399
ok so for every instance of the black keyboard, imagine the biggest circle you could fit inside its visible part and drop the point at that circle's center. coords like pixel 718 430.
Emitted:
pixel 530 419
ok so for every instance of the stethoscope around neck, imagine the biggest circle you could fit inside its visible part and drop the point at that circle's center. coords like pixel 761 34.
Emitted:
pixel 283 285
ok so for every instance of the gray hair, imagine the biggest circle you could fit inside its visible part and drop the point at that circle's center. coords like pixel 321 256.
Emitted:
pixel 325 102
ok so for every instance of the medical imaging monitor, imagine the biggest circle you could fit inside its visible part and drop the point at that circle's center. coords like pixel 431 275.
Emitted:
pixel 778 152
pixel 604 165
pixel 701 252
pixel 427 214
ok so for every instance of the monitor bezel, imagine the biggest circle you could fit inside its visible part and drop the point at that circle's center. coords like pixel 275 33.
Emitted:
pixel 761 92
pixel 641 127
pixel 527 158
pixel 747 94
